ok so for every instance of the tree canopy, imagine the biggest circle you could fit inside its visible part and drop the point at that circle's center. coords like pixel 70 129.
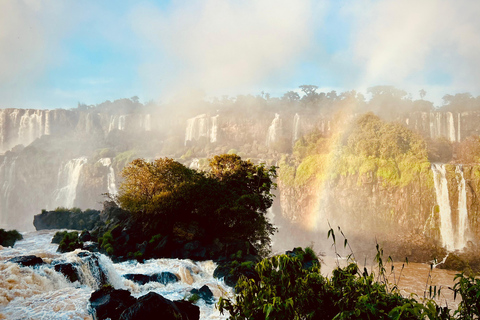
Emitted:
pixel 228 203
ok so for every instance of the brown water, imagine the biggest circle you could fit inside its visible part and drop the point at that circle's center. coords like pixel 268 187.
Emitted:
pixel 414 278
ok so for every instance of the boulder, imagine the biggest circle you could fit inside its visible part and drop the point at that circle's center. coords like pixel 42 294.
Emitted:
pixel 204 293
pixel 110 303
pixel 163 278
pixel 153 306
pixel 27 261
pixel 68 270
pixel 137 278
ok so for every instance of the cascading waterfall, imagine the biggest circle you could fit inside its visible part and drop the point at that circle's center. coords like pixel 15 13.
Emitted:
pixel 111 182
pixel 443 201
pixel 197 127
pixel 213 131
pixel 454 235
pixel 296 127
pixel 451 127
pixel 272 130
pixel 458 128
pixel 111 126
pixel 462 210
pixel 7 182
pixel 44 293
pixel 147 123
pixel 121 123
pixel 67 183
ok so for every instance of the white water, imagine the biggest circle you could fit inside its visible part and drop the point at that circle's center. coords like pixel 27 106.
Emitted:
pixel 199 127
pixel 458 129
pixel 443 201
pixel 214 130
pixel 7 183
pixel 451 127
pixel 121 123
pixel 454 235
pixel 111 183
pixel 147 123
pixel 272 130
pixel 43 293
pixel 462 210
pixel 296 127
pixel 443 125
pixel 67 183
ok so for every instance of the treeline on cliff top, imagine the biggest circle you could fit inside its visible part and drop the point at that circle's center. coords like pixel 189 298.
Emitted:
pixel 371 146
pixel 385 101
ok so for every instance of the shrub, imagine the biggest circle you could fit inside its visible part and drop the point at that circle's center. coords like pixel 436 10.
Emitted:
pixel 8 238
pixel 70 242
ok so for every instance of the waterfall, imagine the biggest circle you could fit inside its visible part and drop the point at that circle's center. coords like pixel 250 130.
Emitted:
pixel 147 123
pixel 47 122
pixel 67 182
pixel 7 182
pixel 296 125
pixel 213 131
pixel 443 201
pixel 121 123
pixel 458 129
pixel 451 127
pixel 272 130
pixel 462 210
pixel 197 127
pixel 111 183
pixel 111 126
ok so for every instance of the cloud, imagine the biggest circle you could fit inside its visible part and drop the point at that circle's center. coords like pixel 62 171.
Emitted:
pixel 400 42
pixel 29 32
pixel 217 46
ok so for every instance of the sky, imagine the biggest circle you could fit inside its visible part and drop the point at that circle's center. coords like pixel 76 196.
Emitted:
pixel 55 54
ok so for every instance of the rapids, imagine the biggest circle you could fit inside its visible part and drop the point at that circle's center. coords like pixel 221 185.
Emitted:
pixel 42 293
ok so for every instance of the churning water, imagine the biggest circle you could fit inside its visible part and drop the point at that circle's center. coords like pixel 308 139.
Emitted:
pixel 42 293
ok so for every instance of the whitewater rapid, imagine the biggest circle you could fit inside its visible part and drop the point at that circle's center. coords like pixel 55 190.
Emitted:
pixel 42 293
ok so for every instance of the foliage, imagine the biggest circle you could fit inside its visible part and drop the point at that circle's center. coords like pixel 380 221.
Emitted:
pixel 230 201
pixel 468 287
pixel 288 288
pixel 8 238
pixel 369 146
pixel 70 242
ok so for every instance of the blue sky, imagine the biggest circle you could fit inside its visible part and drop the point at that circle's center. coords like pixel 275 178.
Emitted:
pixel 55 54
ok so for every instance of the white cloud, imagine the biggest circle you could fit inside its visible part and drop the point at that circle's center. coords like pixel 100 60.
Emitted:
pixel 218 45
pixel 400 42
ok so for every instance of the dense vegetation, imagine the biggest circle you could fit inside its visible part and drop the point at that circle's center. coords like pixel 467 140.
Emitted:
pixel 290 286
pixel 173 210
pixel 369 148
pixel 8 238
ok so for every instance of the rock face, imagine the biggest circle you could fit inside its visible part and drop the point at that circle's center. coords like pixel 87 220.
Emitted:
pixel 65 219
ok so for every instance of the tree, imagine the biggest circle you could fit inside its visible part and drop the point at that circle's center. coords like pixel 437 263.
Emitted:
pixel 422 93
pixel 229 202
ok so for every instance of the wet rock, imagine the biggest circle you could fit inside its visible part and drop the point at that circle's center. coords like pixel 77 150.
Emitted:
pixel 189 310
pixel 164 277
pixel 27 261
pixel 153 306
pixel 204 293
pixel 65 219
pixel 110 303
pixel 68 270
pixel 137 278
pixel 8 238
pixel 85 236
